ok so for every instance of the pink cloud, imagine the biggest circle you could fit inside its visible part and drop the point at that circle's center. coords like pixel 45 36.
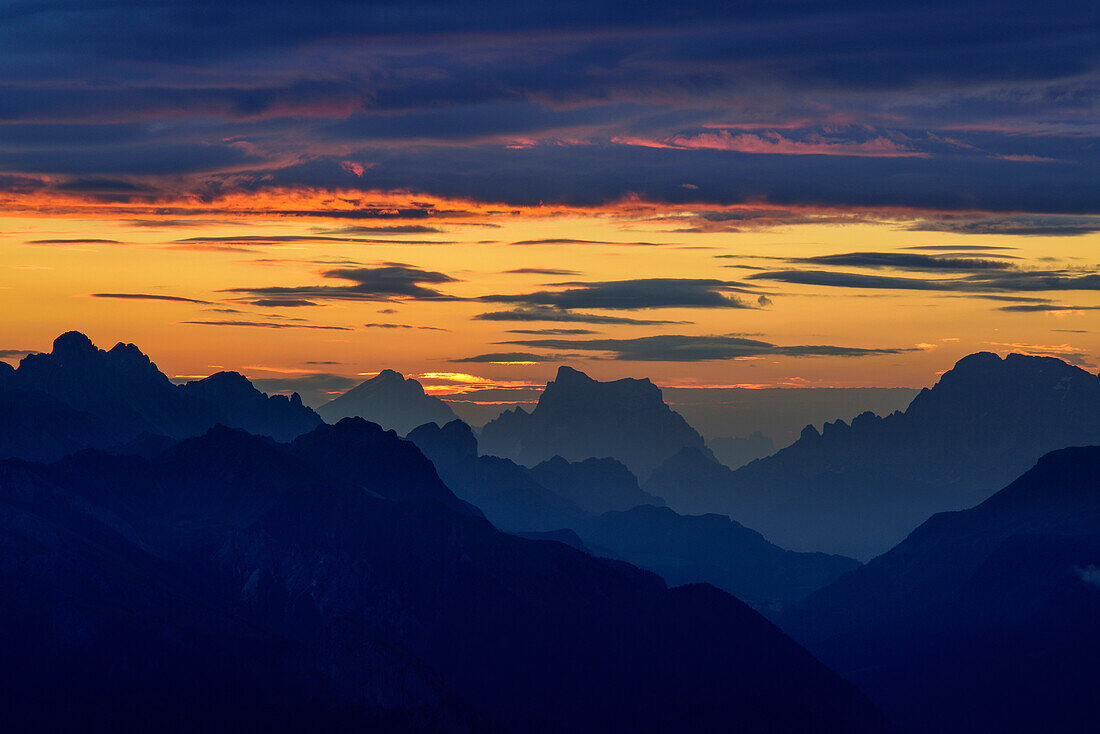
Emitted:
pixel 773 142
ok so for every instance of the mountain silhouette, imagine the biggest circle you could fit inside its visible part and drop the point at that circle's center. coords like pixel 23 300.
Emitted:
pixel 594 485
pixel 712 548
pixel 232 582
pixel 390 400
pixel 596 505
pixel 508 494
pixel 859 489
pixel 243 406
pixel 79 396
pixel 690 481
pixel 578 418
pixel 982 618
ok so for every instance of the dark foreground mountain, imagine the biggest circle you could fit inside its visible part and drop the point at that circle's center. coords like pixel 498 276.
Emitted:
pixel 687 549
pixel 983 619
pixel 859 489
pixel 79 396
pixel 578 418
pixel 232 583
pixel 392 401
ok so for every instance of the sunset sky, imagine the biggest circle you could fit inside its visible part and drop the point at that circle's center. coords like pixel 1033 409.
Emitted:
pixel 786 194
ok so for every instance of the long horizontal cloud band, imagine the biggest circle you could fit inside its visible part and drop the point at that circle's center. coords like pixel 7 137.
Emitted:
pixel 685 348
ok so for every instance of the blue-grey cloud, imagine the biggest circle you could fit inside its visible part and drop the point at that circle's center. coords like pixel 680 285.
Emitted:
pixel 992 282
pixel 1045 308
pixel 388 282
pixel 266 325
pixel 905 261
pixel 540 271
pixel 498 357
pixel 543 313
pixel 553 332
pixel 376 325
pixel 129 101
pixel 642 293
pixel 147 297
pixel 1045 226
pixel 685 348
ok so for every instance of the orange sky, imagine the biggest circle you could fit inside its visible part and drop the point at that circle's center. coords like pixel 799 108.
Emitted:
pixel 46 289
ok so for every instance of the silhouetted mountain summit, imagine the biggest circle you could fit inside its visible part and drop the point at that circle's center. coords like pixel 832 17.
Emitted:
pixel 280 416
pixel 857 489
pixel 579 418
pixel 233 583
pixel 982 615
pixel 79 396
pixel 390 400
pixel 363 454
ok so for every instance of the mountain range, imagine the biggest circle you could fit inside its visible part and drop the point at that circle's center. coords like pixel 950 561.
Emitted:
pixel 232 582
pixel 79 396
pixel 982 619
pixel 858 489
pixel 579 418
pixel 392 401
pixel 598 503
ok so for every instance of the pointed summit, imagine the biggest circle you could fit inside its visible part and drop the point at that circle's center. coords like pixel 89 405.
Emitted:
pixel 392 401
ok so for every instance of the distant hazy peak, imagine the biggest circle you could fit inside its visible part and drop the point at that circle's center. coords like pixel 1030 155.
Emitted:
pixel 391 400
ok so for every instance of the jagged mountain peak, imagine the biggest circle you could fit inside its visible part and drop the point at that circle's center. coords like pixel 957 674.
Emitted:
pixel 578 417
pixel 391 400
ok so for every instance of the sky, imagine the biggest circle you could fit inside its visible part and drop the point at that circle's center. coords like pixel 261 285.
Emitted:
pixel 763 194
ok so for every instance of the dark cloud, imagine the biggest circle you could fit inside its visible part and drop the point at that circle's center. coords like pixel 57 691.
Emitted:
pixel 959 248
pixel 1045 307
pixel 499 357
pixel 540 271
pixel 78 241
pixel 542 313
pixel 393 229
pixel 553 332
pixel 389 282
pixel 1047 226
pixel 267 325
pixel 301 239
pixel 5 353
pixel 1007 281
pixel 403 326
pixel 905 261
pixel 710 103
pixel 283 302
pixel 563 241
pixel 637 294
pixel 683 348
pixel 146 297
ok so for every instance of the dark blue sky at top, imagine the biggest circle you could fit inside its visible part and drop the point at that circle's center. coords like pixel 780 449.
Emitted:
pixel 947 106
